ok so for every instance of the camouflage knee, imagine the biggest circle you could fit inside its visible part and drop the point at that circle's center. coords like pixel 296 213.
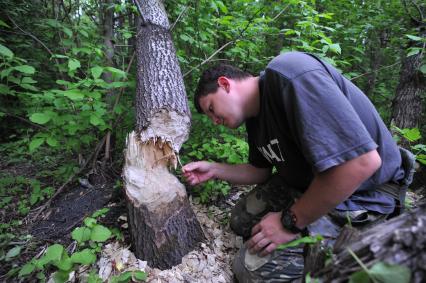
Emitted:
pixel 247 212
pixel 273 195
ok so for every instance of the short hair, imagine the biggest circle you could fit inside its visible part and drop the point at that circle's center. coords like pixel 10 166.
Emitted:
pixel 208 81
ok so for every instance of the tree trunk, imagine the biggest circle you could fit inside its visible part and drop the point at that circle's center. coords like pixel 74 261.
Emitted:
pixel 163 227
pixel 407 104
pixel 401 241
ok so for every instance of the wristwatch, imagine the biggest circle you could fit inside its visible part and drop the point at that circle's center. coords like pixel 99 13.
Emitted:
pixel 288 220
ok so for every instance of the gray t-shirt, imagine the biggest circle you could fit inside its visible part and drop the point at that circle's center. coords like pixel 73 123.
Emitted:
pixel 312 118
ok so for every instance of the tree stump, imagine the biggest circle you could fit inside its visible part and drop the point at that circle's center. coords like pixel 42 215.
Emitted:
pixel 163 227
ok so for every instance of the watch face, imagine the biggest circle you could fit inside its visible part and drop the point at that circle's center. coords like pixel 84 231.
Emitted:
pixel 286 220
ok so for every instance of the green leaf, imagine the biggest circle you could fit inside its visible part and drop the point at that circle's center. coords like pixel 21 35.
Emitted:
pixel 61 276
pixel 67 31
pixel 74 94
pixel 64 263
pixel 423 69
pixel 222 7
pixel 40 118
pixel 81 234
pixel 335 48
pixel 303 240
pixel 4 89
pixel 85 257
pixel 96 71
pixel 13 252
pixel 35 143
pixel 413 51
pixel 116 71
pixel 390 273
pixel 26 69
pixel 5 51
pixel 95 120
pixel 100 233
pixel 52 142
pixel 4 24
pixel 89 222
pixel 28 80
pixel 139 275
pixel 54 252
pixel 412 134
pixel 100 212
pixel 28 268
pixel 359 277
pixel 413 37
pixel 73 64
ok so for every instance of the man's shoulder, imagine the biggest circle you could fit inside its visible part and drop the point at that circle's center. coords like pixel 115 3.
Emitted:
pixel 294 64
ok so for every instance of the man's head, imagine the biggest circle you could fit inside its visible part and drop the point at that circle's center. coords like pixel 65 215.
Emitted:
pixel 218 95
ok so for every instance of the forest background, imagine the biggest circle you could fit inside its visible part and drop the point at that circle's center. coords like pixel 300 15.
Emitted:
pixel 67 83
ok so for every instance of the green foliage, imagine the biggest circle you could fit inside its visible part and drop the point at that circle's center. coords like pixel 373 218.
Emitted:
pixel 90 239
pixel 413 135
pixel 309 240
pixel 380 272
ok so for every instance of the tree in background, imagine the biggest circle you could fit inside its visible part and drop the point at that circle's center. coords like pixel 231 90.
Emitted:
pixel 407 104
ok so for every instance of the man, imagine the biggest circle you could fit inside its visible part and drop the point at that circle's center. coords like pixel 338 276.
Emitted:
pixel 327 142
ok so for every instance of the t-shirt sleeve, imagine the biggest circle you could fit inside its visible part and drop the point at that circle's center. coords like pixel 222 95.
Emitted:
pixel 327 129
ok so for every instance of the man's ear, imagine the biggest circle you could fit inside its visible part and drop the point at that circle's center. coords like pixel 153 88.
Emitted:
pixel 224 82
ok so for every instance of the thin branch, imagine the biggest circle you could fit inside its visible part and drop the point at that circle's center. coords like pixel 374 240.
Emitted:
pixel 279 14
pixel 208 59
pixel 235 40
pixel 25 120
pixel 40 209
pixel 178 18
pixel 36 39
pixel 381 68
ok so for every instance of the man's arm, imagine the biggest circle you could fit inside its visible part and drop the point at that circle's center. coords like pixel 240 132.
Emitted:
pixel 242 174
pixel 327 190
pixel 333 186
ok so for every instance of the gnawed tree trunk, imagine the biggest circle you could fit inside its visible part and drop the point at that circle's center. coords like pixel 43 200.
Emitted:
pixel 163 227
pixel 401 241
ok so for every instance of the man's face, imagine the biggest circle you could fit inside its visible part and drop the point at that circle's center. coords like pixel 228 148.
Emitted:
pixel 222 108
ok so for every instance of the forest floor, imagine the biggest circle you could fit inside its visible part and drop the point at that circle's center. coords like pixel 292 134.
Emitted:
pixel 210 262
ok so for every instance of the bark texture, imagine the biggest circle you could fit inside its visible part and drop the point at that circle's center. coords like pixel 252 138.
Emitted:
pixel 401 240
pixel 162 225
pixel 407 105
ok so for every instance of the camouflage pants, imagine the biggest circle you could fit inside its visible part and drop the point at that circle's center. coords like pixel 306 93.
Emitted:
pixel 280 266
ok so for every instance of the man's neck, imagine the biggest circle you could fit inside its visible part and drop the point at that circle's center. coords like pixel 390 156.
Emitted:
pixel 252 97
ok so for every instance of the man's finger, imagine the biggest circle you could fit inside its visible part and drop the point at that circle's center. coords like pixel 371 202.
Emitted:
pixel 260 245
pixel 269 249
pixel 254 240
pixel 256 229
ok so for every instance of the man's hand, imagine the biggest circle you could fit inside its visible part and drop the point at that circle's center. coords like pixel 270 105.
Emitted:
pixel 198 172
pixel 268 234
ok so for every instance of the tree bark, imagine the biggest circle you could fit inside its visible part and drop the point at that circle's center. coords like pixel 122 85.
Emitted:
pixel 401 241
pixel 163 227
pixel 407 104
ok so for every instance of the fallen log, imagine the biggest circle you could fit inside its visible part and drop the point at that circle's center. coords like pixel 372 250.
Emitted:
pixel 399 241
